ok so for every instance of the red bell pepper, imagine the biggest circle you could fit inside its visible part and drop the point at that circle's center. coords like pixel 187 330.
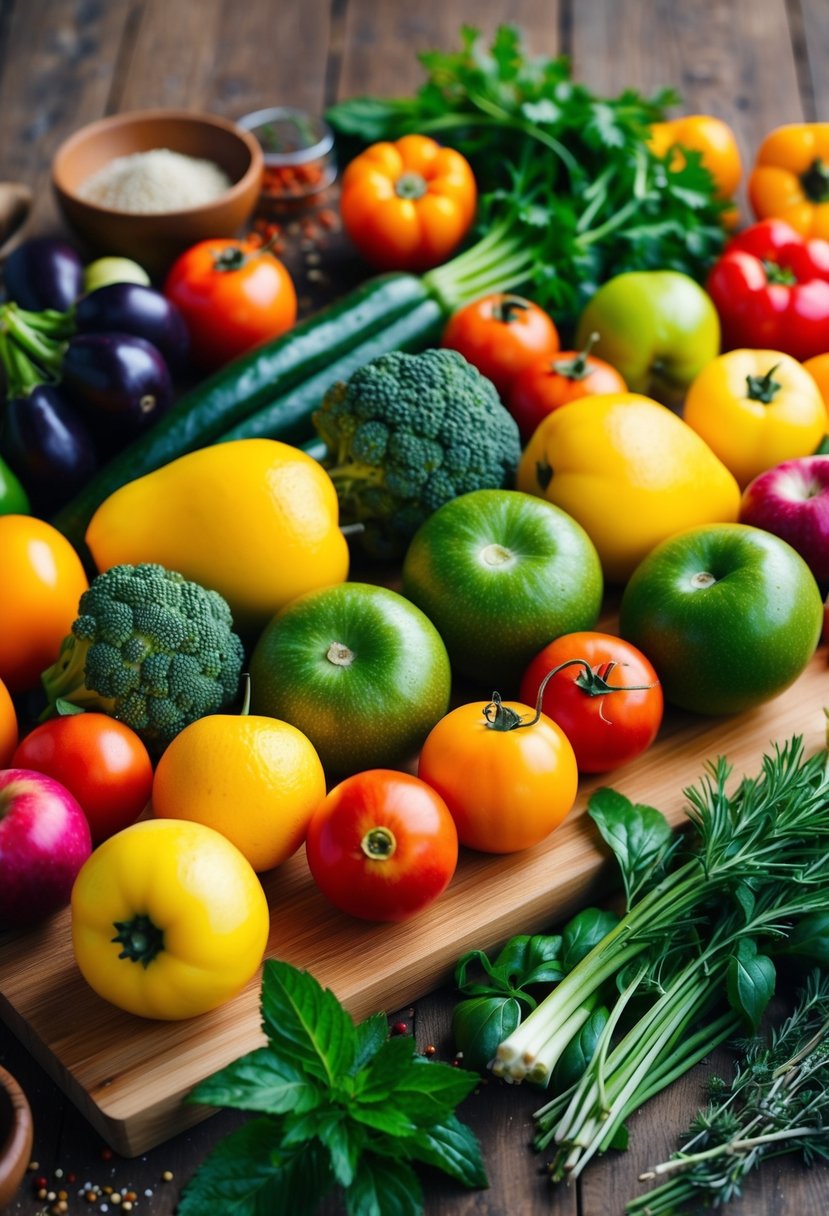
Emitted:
pixel 771 290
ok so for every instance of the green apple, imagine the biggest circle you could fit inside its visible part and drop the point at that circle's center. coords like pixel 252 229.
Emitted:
pixel 108 270
pixel 728 614
pixel 658 328
pixel 501 573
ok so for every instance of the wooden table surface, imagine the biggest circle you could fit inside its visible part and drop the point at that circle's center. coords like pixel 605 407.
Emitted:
pixel 63 63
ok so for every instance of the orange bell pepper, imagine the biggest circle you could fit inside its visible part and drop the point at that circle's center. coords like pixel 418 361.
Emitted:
pixel 790 177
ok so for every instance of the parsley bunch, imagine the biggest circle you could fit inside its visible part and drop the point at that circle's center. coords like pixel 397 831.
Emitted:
pixel 340 1105
pixel 566 171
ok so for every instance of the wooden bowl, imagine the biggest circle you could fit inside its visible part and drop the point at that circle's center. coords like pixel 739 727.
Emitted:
pixel 16 1133
pixel 155 239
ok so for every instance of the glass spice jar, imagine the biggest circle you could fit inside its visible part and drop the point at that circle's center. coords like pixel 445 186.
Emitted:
pixel 298 150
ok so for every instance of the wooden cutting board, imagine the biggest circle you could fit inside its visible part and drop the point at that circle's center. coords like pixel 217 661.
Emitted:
pixel 129 1076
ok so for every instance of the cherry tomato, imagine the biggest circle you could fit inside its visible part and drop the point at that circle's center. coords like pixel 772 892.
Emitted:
pixel 508 778
pixel 407 205
pixel 233 295
pixel 501 335
pixel 99 760
pixel 548 383
pixel 382 845
pixel 608 700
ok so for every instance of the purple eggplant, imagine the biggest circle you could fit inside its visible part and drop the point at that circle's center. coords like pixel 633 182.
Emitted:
pixel 47 445
pixel 43 273
pixel 130 308
pixel 120 382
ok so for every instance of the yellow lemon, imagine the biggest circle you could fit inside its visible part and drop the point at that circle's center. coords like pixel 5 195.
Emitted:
pixel 254 519
pixel 630 471
pixel 256 780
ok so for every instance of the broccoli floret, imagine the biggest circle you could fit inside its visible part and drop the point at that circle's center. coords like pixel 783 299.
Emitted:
pixel 407 433
pixel 151 648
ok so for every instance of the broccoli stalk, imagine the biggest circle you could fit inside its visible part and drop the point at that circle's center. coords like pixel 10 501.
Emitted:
pixel 407 433
pixel 150 648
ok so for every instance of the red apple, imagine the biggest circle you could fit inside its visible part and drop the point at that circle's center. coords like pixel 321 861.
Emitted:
pixel 44 841
pixel 792 501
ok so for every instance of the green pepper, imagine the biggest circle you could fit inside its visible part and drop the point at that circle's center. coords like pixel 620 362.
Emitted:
pixel 13 498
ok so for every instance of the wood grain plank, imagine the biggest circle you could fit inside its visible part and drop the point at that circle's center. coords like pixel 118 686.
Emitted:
pixel 382 40
pixel 59 61
pixel 129 1076
pixel 228 58
pixel 811 28
pixel 731 58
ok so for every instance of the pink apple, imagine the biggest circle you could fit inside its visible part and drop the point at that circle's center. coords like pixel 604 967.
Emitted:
pixel 792 501
pixel 44 841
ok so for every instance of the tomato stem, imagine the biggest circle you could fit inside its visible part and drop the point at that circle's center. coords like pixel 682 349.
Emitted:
pixel 594 683
pixel 577 368
pixel 379 843
pixel 763 388
pixel 142 940
pixel 509 308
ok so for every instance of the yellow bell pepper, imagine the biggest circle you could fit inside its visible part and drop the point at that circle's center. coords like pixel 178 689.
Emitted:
pixel 790 178
pixel 711 137
pixel 168 919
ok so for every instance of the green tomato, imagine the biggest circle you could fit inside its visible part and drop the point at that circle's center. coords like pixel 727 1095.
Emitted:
pixel 356 668
pixel 113 270
pixel 13 498
pixel 728 614
pixel 502 573
pixel 658 328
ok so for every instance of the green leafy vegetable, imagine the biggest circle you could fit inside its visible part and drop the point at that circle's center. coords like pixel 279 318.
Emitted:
pixel 640 837
pixel 343 1105
pixel 571 169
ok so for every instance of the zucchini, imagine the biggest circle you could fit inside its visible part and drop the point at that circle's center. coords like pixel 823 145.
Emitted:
pixel 241 388
pixel 288 417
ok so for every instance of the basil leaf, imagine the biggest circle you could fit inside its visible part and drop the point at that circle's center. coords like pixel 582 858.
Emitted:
pixel 640 837
pixel 809 939
pixel 245 1175
pixel 260 1081
pixel 480 1024
pixel 306 1023
pixel 384 1188
pixel 584 931
pixel 450 1146
pixel 579 1051
pixel 750 982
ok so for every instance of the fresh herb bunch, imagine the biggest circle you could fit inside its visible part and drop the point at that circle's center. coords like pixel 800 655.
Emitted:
pixel 567 169
pixel 692 960
pixel 340 1105
pixel 777 1102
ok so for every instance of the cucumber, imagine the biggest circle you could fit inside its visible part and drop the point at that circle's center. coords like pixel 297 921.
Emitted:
pixel 248 383
pixel 288 417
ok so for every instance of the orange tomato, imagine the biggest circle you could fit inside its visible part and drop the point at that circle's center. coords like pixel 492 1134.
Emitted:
pixel 507 786
pixel 42 580
pixel 407 205
pixel 790 177
pixel 8 727
pixel 709 136
pixel 818 369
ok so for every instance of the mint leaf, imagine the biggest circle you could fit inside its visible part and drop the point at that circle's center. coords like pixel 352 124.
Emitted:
pixel 429 1091
pixel 384 1188
pixel 246 1175
pixel 305 1023
pixel 260 1081
pixel 387 1119
pixel 378 1081
pixel 640 836
pixel 450 1146
pixel 371 1035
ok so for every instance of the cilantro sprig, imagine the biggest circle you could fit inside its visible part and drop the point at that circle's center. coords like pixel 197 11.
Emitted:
pixel 339 1104
pixel 567 173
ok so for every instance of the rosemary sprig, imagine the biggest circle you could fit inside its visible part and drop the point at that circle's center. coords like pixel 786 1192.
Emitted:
pixel 778 1101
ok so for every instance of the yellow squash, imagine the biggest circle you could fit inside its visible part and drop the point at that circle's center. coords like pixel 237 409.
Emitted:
pixel 630 472
pixel 255 519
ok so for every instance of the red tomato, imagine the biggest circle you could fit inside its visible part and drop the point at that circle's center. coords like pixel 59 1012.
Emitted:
pixel 382 845
pixel 548 383
pixel 99 760
pixel 507 779
pixel 234 295
pixel 608 702
pixel 501 335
